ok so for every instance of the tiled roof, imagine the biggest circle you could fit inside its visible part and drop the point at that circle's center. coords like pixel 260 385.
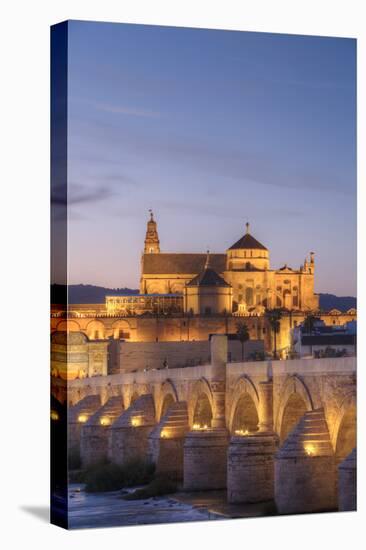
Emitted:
pixel 248 241
pixel 208 277
pixel 189 264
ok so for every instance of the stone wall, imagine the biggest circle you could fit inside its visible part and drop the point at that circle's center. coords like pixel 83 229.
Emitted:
pixel 152 355
pixel 250 468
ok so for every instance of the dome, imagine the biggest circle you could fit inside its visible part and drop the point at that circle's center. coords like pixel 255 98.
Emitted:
pixel 247 242
pixel 247 254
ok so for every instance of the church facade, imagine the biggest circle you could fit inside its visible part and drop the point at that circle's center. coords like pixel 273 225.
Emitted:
pixel 239 281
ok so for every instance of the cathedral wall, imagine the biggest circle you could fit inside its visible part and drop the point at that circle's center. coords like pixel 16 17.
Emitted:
pixel 208 300
pixel 164 284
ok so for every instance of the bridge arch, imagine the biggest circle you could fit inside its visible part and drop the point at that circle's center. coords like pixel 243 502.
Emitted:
pixel 200 404
pixel 295 400
pixel 244 407
pixel 345 428
pixel 130 394
pixel 166 397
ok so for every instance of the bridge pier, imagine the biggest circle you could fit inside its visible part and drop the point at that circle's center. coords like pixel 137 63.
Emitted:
pixel 250 467
pixel 78 414
pixel 305 468
pixel 128 438
pixel 347 485
pixel 167 439
pixel 94 433
pixel 205 459
pixel 205 451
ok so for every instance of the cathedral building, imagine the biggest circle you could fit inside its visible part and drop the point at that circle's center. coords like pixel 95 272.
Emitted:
pixel 239 281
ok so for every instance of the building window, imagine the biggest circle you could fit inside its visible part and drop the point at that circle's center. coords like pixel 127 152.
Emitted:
pixel 249 296
pixel 207 310
pixel 295 301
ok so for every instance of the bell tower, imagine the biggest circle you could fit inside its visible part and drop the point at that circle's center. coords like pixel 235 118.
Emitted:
pixel 152 237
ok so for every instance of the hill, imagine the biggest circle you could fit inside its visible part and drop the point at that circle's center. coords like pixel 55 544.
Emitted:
pixel 330 301
pixel 86 294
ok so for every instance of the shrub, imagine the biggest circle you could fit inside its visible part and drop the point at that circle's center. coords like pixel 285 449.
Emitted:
pixel 112 477
pixel 76 476
pixel 103 477
pixel 157 487
pixel 138 472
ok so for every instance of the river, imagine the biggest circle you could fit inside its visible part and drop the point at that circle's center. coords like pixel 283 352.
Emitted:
pixel 89 510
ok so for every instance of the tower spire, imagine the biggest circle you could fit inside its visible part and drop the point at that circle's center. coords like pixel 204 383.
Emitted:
pixel 247 226
pixel 152 245
pixel 207 264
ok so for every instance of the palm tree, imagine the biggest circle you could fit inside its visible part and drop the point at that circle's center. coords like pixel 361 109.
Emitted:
pixel 243 335
pixel 309 325
pixel 273 317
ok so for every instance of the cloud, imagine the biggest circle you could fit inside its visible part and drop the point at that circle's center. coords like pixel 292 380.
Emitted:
pixel 77 193
pixel 242 165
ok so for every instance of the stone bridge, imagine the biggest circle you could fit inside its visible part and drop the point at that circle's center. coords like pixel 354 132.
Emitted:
pixel 282 430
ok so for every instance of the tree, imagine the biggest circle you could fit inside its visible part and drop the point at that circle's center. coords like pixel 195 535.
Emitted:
pixel 243 335
pixel 309 325
pixel 273 317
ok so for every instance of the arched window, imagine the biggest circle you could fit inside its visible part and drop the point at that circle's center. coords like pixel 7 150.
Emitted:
pixel 249 296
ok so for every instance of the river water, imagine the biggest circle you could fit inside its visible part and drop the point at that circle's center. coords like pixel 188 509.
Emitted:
pixel 89 510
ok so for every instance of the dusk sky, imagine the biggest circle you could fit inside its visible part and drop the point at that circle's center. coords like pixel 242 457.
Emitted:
pixel 210 129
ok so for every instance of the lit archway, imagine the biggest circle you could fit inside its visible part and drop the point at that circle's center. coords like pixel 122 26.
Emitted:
pixel 68 326
pixel 134 397
pixel 347 433
pixel 295 400
pixel 165 397
pixel 168 401
pixel 245 417
pixel 200 404
pixel 121 330
pixel 202 414
pixel 293 412
pixel 244 405
pixel 95 330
